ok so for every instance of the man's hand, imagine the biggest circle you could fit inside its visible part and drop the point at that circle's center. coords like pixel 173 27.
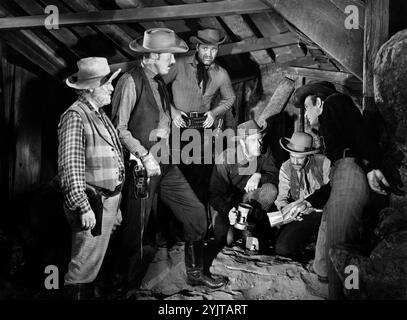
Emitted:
pixel 210 119
pixel 177 118
pixel 374 178
pixel 294 211
pixel 88 220
pixel 232 216
pixel 151 165
pixel 253 183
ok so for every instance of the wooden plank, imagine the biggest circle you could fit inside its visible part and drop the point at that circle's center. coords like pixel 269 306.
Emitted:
pixel 269 24
pixel 333 76
pixel 176 12
pixel 342 4
pixel 323 23
pixel 31 47
pixel 91 41
pixel 376 33
pixel 63 35
pixel 113 32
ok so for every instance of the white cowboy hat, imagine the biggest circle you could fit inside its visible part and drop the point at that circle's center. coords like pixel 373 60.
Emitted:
pixel 92 72
pixel 300 143
pixel 159 40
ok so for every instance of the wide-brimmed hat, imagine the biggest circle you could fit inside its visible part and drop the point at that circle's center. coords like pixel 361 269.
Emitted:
pixel 300 143
pixel 322 89
pixel 208 36
pixel 249 128
pixel 159 40
pixel 92 72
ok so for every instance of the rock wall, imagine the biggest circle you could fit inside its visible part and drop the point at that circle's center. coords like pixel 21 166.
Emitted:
pixel 390 86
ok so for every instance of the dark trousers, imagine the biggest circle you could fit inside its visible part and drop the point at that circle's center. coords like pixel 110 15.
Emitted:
pixel 175 192
pixel 344 209
pixel 295 236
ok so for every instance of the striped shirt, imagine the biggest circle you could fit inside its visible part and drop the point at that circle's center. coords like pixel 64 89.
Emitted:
pixel 187 93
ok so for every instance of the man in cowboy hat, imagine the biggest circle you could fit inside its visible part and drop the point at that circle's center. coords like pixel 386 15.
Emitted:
pixel 304 176
pixel 196 80
pixel 355 159
pixel 243 174
pixel 89 157
pixel 141 112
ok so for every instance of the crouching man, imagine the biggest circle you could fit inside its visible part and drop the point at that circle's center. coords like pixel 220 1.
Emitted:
pixel 303 190
pixel 243 174
pixel 89 157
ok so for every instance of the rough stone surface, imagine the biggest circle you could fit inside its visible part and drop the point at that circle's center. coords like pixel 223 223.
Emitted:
pixel 382 274
pixel 251 277
pixel 390 86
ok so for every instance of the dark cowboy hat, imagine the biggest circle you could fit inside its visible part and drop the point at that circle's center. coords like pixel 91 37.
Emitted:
pixel 249 128
pixel 159 40
pixel 208 36
pixel 300 143
pixel 322 89
pixel 92 72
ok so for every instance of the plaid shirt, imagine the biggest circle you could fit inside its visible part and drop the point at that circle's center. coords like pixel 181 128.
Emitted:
pixel 75 153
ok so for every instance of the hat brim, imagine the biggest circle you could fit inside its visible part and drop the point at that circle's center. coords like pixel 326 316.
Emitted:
pixel 244 136
pixel 284 144
pixel 92 83
pixel 136 46
pixel 310 89
pixel 197 40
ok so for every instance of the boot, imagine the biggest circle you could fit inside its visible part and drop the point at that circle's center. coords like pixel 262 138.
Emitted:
pixel 80 291
pixel 194 267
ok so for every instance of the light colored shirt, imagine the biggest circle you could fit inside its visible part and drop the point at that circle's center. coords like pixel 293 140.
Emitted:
pixel 123 103
pixel 187 93
pixel 283 196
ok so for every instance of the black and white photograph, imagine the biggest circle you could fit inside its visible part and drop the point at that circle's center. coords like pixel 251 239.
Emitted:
pixel 201 156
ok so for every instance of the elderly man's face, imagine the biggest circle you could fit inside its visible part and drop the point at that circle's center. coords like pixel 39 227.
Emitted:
pixel 164 62
pixel 207 53
pixel 253 144
pixel 298 161
pixel 102 95
pixel 312 111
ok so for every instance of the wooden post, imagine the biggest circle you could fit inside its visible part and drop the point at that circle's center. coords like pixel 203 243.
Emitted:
pixel 301 127
pixel 376 33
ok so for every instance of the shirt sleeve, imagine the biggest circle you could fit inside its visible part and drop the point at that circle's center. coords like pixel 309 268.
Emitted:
pixel 123 102
pixel 71 158
pixel 283 189
pixel 227 94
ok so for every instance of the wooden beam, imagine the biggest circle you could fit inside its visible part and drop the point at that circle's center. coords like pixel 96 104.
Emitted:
pixel 271 23
pixel 33 48
pixel 177 12
pixel 113 32
pixel 324 24
pixel 342 78
pixel 341 5
pixel 376 33
pixel 63 35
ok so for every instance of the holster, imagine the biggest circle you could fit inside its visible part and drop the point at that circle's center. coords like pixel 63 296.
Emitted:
pixel 96 203
pixel 140 179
